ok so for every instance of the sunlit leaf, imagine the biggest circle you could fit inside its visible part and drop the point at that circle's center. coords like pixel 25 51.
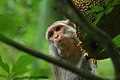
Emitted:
pixel 116 40
pixel 20 66
pixel 2 75
pixel 21 71
pixel 106 2
pixel 98 17
pixel 115 2
pixel 95 9
pixel 4 66
pixel 98 8
pixel 109 10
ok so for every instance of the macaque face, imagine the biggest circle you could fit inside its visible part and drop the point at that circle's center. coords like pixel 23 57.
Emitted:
pixel 62 37
pixel 56 33
pixel 59 29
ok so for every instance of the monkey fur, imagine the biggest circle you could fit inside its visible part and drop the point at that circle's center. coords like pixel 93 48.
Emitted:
pixel 63 46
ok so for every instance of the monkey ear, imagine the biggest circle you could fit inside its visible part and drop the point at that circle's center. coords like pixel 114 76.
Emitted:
pixel 70 23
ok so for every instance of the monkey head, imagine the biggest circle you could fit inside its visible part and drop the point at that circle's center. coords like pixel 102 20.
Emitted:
pixel 61 36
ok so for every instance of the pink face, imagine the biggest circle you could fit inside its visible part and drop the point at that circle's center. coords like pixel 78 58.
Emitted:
pixel 56 33
pixel 62 39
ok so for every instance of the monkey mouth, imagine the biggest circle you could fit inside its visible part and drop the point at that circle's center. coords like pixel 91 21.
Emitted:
pixel 65 43
pixel 60 40
pixel 61 43
pixel 65 46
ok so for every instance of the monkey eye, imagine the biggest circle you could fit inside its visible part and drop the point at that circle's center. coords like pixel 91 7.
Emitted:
pixel 51 34
pixel 58 28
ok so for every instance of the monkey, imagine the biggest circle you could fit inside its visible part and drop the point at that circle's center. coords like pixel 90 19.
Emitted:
pixel 63 46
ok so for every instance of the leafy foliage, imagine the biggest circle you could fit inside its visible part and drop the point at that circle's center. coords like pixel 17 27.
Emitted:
pixel 116 40
pixel 20 67
pixel 103 10
pixel 19 21
pixel 4 66
pixel 26 22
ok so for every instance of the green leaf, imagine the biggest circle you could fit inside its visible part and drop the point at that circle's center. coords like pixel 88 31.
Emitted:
pixel 20 66
pixel 98 8
pixel 20 71
pixel 98 17
pixel 4 66
pixel 108 10
pixel 8 25
pixel 116 40
pixel 95 9
pixel 115 2
pixel 2 75
pixel 106 2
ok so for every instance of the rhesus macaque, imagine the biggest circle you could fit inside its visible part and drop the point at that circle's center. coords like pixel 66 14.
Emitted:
pixel 63 46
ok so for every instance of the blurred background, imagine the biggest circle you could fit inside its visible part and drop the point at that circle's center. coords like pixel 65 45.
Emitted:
pixel 25 21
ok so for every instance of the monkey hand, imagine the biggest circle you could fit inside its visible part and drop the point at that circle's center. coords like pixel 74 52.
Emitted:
pixel 66 47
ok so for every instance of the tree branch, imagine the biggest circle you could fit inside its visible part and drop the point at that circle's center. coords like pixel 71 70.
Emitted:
pixel 36 54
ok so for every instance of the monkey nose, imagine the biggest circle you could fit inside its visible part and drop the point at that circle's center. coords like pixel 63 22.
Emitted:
pixel 56 36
